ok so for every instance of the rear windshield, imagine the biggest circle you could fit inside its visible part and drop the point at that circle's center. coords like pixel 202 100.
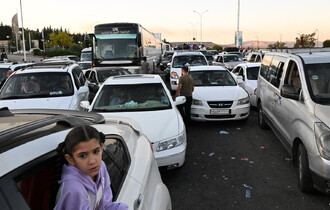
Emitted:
pixel 37 85
pixel 140 97
pixel 191 60
pixel 232 58
pixel 105 74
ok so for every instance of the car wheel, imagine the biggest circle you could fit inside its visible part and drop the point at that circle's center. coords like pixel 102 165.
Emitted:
pixel 304 175
pixel 261 118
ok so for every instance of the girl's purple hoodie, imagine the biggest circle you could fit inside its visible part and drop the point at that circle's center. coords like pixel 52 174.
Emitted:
pixel 79 191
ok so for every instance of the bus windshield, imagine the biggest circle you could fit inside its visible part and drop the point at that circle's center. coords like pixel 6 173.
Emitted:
pixel 116 46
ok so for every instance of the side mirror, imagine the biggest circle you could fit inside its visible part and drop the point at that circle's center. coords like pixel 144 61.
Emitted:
pixel 85 104
pixel 169 65
pixel 287 91
pixel 86 40
pixel 239 79
pixel 83 89
pixel 180 100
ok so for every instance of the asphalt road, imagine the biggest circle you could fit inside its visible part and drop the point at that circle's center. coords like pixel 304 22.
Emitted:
pixel 237 165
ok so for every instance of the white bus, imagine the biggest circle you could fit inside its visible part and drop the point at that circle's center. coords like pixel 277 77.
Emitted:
pixel 124 45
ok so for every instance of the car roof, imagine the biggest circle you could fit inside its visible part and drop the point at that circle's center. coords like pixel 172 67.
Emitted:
pixel 250 64
pixel 133 79
pixel 48 67
pixel 187 53
pixel 207 68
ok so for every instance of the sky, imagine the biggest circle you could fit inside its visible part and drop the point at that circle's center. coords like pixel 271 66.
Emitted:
pixel 263 20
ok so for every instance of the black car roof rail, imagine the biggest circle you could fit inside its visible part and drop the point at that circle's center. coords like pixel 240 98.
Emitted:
pixel 62 64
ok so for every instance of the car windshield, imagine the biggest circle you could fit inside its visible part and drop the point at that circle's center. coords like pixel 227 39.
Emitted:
pixel 116 46
pixel 137 97
pixel 252 73
pixel 105 74
pixel 84 66
pixel 37 85
pixel 319 81
pixel 212 78
pixel 191 60
pixel 232 58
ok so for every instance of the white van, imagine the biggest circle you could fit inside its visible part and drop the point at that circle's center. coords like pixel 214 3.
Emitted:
pixel 293 98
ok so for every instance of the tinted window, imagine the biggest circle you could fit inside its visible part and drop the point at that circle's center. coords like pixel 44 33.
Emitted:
pixel 141 97
pixel 116 158
pixel 264 69
pixel 37 85
pixel 105 74
pixel 252 73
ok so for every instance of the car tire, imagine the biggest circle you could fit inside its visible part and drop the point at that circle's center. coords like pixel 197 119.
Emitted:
pixel 305 181
pixel 261 118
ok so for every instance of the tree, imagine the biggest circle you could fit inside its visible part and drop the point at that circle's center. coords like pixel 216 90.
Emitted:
pixel 216 47
pixel 277 45
pixel 305 41
pixel 60 39
pixel 326 43
pixel 4 32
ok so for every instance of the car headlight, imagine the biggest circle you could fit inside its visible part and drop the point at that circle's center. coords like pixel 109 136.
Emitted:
pixel 322 136
pixel 171 143
pixel 197 102
pixel 174 75
pixel 243 101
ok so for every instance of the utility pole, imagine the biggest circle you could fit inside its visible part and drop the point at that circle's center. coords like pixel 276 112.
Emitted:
pixel 201 14
pixel 23 32
pixel 237 32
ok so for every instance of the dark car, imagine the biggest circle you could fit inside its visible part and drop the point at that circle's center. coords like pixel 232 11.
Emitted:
pixel 167 58
pixel 98 75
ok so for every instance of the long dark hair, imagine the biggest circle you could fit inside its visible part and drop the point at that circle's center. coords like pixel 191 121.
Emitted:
pixel 81 133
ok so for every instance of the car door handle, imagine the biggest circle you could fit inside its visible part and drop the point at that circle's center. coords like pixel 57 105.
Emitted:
pixel 138 204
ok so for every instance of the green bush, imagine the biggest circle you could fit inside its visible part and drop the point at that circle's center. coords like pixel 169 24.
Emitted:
pixel 37 52
pixel 60 52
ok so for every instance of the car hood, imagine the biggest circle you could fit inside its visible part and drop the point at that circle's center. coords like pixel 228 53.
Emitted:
pixel 233 63
pixel 156 125
pixel 219 93
pixel 323 112
pixel 38 103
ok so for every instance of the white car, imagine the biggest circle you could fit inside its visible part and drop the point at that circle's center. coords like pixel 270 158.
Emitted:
pixel 29 163
pixel 227 60
pixel 248 72
pixel 146 99
pixel 179 59
pixel 217 96
pixel 45 85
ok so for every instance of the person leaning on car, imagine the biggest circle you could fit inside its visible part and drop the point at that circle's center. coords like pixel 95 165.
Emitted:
pixel 185 88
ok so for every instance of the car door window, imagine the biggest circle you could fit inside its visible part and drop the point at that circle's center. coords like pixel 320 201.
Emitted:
pixel 116 158
pixel 292 76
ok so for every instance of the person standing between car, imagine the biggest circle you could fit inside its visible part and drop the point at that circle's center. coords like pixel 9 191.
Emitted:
pixel 85 182
pixel 185 88
pixel 145 66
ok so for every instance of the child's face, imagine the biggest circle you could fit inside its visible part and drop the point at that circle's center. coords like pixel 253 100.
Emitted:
pixel 87 157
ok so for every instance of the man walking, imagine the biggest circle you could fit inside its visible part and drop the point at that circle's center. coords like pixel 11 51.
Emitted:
pixel 185 88
pixel 145 68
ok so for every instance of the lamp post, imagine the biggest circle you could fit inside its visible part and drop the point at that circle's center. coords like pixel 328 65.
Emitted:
pixel 193 32
pixel 23 32
pixel 237 33
pixel 280 38
pixel 200 15
pixel 317 41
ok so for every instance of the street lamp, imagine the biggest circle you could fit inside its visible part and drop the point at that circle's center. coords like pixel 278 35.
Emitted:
pixel 318 33
pixel 280 38
pixel 201 14
pixel 193 32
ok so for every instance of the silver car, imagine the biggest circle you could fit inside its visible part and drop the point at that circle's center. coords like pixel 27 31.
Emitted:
pixel 293 98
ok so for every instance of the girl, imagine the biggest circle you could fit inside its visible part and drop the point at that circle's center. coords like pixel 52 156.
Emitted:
pixel 85 182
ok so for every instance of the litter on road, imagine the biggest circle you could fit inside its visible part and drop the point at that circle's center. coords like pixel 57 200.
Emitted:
pixel 224 132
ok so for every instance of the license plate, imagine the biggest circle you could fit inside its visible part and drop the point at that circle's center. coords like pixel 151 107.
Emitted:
pixel 219 111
